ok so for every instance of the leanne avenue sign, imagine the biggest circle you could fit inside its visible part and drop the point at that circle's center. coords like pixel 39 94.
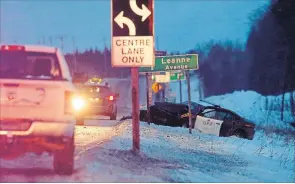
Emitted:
pixel 132 33
pixel 175 62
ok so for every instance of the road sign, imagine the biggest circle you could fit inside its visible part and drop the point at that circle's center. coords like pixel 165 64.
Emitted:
pixel 163 78
pixel 175 76
pixel 132 33
pixel 155 87
pixel 176 62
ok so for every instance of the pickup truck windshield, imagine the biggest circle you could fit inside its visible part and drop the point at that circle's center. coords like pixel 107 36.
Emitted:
pixel 29 65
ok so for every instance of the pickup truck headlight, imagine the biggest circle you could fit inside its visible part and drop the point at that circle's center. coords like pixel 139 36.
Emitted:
pixel 78 103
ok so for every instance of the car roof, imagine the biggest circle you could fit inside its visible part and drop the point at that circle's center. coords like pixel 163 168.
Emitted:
pixel 35 48
pixel 170 103
pixel 221 109
pixel 95 85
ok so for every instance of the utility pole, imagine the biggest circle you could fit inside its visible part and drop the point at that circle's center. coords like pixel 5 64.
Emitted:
pixel 43 40
pixel 74 53
pixel 158 43
pixel 105 56
pixel 61 38
pixel 50 40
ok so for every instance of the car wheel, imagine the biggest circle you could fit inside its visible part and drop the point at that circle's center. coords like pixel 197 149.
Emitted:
pixel 63 160
pixel 240 134
pixel 185 125
pixel 80 121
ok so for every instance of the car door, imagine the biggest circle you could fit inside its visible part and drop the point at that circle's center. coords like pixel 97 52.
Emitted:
pixel 204 122
pixel 210 121
pixel 218 120
pixel 158 115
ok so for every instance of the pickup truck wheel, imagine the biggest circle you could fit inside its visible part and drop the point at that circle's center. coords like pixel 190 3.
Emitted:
pixel 63 160
pixel 113 116
pixel 79 120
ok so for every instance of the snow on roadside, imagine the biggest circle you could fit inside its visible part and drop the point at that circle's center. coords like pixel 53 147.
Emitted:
pixel 172 155
pixel 251 105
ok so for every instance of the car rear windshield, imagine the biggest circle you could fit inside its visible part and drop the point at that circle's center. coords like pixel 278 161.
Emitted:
pixel 96 91
pixel 29 65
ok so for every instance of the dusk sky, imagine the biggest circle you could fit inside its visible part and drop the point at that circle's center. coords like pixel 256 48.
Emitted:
pixel 179 24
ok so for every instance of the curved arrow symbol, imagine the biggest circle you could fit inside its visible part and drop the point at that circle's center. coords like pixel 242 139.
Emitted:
pixel 144 12
pixel 121 20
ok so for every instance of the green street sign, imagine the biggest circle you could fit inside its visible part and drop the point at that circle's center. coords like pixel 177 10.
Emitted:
pixel 175 76
pixel 176 62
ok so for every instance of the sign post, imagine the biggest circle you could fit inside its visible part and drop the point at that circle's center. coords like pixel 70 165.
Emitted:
pixel 180 91
pixel 189 101
pixel 148 95
pixel 135 109
pixel 133 46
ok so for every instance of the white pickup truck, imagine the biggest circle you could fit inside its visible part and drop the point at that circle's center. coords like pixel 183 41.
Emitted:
pixel 37 104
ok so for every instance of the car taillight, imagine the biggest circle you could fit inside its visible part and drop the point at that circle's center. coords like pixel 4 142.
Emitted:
pixel 12 48
pixel 111 98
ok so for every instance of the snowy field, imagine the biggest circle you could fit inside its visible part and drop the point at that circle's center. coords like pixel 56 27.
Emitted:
pixel 174 155
pixel 167 155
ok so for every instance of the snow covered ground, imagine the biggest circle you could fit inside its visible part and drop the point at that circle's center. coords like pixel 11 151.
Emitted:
pixel 168 155
pixel 252 105
pixel 174 155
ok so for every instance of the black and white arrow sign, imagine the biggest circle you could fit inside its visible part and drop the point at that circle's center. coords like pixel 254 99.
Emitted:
pixel 132 33
pixel 126 13
pixel 121 20
pixel 144 12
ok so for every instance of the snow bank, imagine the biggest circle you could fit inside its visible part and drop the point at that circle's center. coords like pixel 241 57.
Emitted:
pixel 171 154
pixel 256 107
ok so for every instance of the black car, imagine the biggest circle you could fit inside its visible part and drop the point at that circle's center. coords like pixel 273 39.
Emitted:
pixel 209 119
pixel 167 113
pixel 97 100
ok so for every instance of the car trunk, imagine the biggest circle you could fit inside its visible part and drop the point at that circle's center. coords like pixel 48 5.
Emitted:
pixel 99 97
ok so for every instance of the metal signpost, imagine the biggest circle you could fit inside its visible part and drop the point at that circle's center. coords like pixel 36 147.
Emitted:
pixel 148 95
pixel 133 45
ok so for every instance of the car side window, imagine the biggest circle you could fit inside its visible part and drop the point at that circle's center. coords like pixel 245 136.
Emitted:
pixel 220 115
pixel 230 117
pixel 214 114
pixel 209 113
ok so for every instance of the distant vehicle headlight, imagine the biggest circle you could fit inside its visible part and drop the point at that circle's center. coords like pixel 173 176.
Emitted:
pixel 78 103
